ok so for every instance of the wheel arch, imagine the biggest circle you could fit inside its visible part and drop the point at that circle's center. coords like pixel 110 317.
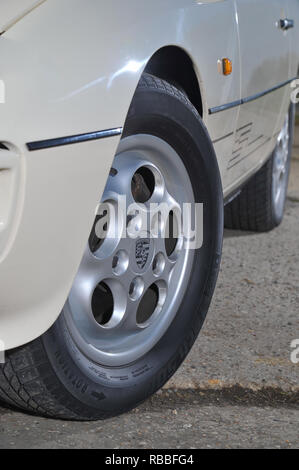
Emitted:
pixel 174 64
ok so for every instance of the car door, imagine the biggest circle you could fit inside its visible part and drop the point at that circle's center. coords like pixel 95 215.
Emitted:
pixel 265 66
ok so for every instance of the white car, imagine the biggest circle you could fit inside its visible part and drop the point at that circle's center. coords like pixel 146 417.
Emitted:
pixel 109 106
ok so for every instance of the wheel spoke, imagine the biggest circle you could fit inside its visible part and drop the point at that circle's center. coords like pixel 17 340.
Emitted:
pixel 92 270
pixel 129 322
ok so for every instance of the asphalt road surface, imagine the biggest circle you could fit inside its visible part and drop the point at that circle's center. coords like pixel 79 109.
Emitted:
pixel 238 387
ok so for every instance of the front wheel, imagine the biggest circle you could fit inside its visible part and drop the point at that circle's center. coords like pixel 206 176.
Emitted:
pixel 141 294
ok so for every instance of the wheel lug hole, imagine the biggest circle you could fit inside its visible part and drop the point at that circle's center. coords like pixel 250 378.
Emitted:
pixel 136 288
pixel 158 264
pixel 120 262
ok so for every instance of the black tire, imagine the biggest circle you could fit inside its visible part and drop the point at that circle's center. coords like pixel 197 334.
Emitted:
pixel 254 208
pixel 48 376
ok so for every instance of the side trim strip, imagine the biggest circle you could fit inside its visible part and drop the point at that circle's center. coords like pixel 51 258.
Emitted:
pixel 73 139
pixel 224 107
pixel 233 104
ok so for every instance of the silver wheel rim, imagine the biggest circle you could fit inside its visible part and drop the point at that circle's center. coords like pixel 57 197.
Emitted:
pixel 130 269
pixel 281 168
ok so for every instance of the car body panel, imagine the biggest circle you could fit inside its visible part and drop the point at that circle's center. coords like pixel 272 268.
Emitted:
pixel 14 10
pixel 71 67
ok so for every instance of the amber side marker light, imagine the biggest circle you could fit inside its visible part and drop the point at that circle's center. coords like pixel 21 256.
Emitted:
pixel 225 66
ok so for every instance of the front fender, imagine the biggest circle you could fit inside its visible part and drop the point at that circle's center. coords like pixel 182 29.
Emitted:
pixel 71 67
